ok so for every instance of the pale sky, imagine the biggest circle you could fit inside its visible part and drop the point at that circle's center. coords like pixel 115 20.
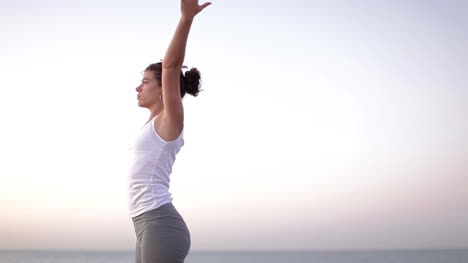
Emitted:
pixel 322 124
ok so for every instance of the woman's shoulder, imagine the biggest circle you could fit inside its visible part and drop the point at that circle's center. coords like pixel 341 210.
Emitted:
pixel 166 130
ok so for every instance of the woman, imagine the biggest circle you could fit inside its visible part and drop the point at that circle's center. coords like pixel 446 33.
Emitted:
pixel 162 235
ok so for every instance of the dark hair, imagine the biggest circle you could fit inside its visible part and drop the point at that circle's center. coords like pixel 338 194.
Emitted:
pixel 189 83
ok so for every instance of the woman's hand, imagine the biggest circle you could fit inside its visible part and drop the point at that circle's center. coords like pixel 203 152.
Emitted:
pixel 190 8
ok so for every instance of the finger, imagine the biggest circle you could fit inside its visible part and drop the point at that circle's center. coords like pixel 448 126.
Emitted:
pixel 205 5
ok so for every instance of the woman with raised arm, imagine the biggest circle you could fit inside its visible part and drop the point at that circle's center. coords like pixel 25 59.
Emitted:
pixel 162 235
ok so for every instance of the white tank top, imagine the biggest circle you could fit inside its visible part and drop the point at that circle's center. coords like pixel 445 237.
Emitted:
pixel 150 168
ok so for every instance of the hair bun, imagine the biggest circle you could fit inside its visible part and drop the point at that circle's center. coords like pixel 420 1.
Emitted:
pixel 192 81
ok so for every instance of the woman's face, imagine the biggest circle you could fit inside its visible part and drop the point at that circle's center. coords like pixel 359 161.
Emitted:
pixel 149 91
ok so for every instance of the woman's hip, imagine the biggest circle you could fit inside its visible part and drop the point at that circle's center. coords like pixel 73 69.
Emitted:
pixel 165 220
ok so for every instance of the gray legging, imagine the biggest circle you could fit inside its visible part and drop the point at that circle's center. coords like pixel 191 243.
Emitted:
pixel 162 236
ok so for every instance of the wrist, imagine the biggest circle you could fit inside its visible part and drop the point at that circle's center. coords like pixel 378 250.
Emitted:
pixel 186 19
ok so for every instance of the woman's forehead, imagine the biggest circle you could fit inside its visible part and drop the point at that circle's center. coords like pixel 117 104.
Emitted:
pixel 147 74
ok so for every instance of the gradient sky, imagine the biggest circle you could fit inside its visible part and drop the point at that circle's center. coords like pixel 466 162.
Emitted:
pixel 322 124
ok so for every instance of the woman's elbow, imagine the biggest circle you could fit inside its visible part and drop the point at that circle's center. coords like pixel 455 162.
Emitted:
pixel 172 63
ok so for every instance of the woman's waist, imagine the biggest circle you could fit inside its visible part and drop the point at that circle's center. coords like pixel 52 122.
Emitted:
pixel 163 212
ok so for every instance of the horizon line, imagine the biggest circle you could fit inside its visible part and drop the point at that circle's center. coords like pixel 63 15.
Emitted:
pixel 240 250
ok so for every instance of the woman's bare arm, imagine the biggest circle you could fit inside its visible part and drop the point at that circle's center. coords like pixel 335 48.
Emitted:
pixel 173 114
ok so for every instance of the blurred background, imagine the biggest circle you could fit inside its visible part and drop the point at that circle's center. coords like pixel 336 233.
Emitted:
pixel 322 124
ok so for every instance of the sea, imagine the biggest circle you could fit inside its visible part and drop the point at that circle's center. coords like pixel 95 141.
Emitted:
pixel 384 256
